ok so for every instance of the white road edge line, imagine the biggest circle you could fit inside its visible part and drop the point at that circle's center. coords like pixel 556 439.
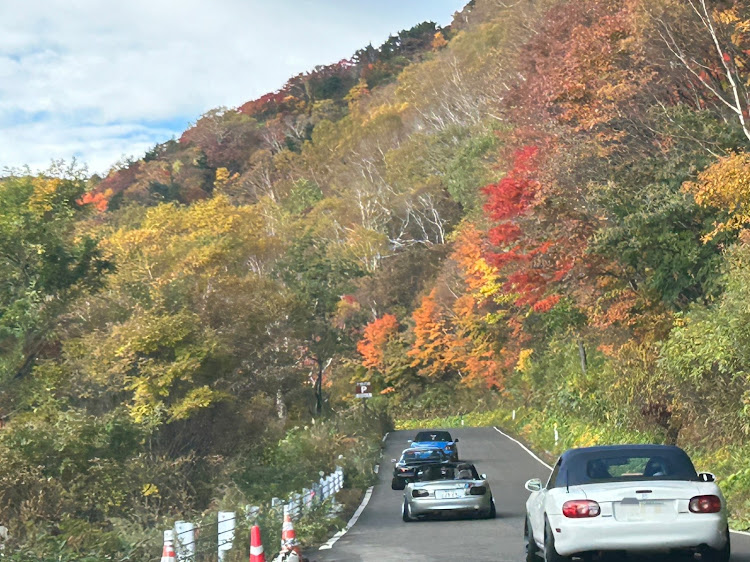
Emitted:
pixel 385 436
pixel 524 447
pixel 548 466
pixel 352 521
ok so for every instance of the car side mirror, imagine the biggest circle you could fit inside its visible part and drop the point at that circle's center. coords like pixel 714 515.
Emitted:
pixel 409 441
pixel 534 485
pixel 455 440
pixel 706 477
pixel 483 476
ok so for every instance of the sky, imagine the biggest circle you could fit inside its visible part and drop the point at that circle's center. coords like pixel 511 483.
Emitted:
pixel 102 80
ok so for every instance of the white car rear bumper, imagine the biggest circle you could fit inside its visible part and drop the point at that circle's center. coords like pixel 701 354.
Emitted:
pixel 688 530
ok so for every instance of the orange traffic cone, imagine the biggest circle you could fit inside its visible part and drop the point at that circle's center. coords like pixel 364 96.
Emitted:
pixel 289 544
pixel 167 553
pixel 256 546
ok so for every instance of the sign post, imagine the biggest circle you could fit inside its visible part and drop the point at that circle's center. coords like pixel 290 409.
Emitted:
pixel 363 390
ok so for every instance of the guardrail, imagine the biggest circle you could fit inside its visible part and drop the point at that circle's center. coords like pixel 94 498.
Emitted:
pixel 212 539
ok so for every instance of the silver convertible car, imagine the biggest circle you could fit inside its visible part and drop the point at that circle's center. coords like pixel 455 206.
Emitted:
pixel 626 498
pixel 448 488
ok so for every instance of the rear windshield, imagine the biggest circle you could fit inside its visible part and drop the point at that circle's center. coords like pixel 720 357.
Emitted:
pixel 425 455
pixel 443 472
pixel 619 466
pixel 423 436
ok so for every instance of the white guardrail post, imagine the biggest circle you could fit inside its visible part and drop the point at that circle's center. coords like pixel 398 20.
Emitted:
pixel 225 533
pixel 306 499
pixel 332 489
pixel 185 544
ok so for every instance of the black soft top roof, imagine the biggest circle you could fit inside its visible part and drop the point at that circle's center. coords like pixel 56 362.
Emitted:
pixel 626 449
pixel 576 464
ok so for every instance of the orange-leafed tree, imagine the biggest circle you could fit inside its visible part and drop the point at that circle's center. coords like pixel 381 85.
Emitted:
pixel 471 351
pixel 374 339
pixel 450 343
pixel 582 67
pixel 431 339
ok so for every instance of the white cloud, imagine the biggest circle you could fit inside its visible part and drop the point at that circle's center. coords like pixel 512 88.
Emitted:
pixel 101 79
pixel 97 146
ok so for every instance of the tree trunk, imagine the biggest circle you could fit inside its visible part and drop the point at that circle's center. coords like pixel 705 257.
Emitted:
pixel 582 355
pixel 319 388
pixel 280 406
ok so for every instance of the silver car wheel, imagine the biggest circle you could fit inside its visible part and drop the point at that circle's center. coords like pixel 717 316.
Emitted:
pixel 406 512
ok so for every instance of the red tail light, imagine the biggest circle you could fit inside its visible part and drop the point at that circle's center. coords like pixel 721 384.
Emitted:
pixel 577 509
pixel 477 490
pixel 705 504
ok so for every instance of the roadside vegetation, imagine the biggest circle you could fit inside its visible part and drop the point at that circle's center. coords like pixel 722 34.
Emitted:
pixel 542 207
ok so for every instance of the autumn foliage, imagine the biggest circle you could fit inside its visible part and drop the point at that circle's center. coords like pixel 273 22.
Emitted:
pixel 374 339
pixel 544 206
pixel 725 185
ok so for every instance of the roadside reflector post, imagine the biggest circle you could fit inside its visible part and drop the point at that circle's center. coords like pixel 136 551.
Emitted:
pixel 251 513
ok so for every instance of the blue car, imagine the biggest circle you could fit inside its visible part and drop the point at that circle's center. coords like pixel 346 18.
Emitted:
pixel 405 468
pixel 440 439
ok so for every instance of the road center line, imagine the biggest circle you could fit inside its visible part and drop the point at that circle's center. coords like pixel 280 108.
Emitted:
pixel 352 521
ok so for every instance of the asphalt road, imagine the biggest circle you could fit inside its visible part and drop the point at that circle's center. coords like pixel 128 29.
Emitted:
pixel 381 536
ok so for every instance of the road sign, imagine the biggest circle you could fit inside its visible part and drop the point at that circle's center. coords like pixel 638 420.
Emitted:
pixel 363 390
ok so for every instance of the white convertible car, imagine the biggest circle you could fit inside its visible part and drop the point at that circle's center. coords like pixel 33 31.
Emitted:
pixel 625 498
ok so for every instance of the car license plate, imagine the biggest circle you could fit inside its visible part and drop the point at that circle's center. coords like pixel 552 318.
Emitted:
pixel 647 510
pixel 447 494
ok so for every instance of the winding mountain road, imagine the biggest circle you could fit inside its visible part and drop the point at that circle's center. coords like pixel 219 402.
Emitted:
pixel 380 535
